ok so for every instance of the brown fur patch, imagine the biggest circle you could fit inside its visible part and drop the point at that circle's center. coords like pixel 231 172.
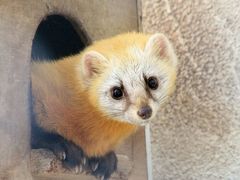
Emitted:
pixel 70 114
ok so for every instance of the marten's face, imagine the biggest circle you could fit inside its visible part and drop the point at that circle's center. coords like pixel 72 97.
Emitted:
pixel 132 87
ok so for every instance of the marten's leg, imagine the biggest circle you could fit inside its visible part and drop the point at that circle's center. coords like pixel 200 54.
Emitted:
pixel 72 155
pixel 103 166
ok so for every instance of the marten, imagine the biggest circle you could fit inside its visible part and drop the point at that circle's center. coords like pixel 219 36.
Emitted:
pixel 87 104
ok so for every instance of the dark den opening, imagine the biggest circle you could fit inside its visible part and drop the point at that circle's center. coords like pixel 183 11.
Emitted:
pixel 55 38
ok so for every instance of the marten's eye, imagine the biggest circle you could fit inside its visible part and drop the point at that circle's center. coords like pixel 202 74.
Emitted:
pixel 117 93
pixel 152 83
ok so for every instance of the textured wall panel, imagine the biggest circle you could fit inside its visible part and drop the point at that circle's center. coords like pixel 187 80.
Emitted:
pixel 197 134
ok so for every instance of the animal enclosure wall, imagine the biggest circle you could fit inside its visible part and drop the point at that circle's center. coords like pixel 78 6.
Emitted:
pixel 196 135
pixel 88 20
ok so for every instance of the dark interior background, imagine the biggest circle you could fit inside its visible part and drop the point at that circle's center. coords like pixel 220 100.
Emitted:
pixel 56 37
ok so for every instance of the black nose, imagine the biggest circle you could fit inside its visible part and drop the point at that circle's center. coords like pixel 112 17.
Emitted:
pixel 145 112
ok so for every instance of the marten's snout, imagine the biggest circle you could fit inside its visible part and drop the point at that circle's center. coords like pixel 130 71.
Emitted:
pixel 145 112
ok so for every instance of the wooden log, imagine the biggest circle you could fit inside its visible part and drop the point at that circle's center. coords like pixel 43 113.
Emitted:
pixel 44 164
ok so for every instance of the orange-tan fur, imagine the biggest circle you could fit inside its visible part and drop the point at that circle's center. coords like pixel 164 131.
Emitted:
pixel 64 105
pixel 67 109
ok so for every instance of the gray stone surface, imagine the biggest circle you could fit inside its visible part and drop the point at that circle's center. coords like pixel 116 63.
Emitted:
pixel 100 19
pixel 197 134
pixel 14 83
pixel 19 20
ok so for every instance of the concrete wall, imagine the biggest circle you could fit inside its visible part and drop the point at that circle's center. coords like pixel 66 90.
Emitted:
pixel 14 86
pixel 18 23
pixel 197 134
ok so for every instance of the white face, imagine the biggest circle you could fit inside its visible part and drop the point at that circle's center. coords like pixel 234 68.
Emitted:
pixel 132 88
pixel 135 88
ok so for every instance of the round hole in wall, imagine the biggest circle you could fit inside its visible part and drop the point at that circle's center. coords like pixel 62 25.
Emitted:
pixel 57 37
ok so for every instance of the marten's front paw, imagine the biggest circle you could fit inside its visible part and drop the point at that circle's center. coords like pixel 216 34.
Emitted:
pixel 103 167
pixel 71 156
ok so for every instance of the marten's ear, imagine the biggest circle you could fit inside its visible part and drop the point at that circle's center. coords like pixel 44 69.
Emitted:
pixel 92 63
pixel 159 46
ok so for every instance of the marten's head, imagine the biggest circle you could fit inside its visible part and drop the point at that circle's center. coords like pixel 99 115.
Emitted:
pixel 129 77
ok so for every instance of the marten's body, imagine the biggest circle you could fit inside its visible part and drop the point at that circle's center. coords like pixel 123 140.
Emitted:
pixel 68 112
pixel 72 96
